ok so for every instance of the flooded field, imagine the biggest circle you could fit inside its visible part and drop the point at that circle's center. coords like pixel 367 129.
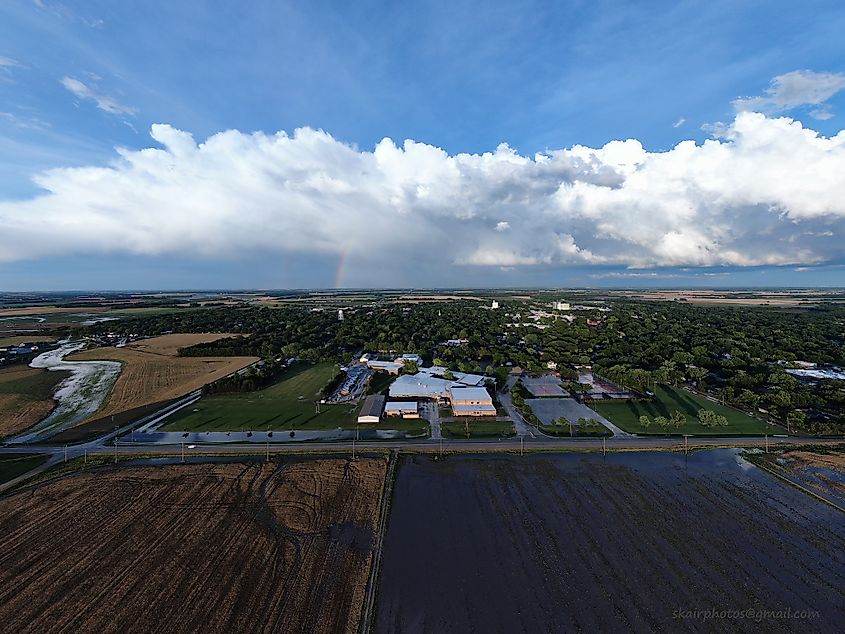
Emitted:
pixel 627 542
pixel 78 396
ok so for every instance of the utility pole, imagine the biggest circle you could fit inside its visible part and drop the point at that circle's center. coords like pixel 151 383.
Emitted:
pixel 441 446
pixel 84 457
pixel 268 450
pixel 767 443
pixel 183 452
pixel 353 449
pixel 65 453
pixel 603 446
pixel 522 445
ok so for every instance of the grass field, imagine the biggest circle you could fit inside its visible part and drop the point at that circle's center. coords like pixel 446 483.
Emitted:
pixel 11 466
pixel 288 404
pixel 26 397
pixel 668 399
pixel 151 378
pixel 477 429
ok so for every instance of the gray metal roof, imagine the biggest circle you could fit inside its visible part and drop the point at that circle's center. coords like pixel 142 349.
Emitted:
pixel 373 406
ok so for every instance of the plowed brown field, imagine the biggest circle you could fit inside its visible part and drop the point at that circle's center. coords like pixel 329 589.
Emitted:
pixel 151 378
pixel 187 548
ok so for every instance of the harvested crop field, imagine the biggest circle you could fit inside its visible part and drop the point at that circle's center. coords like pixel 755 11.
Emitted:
pixel 185 548
pixel 151 378
pixel 26 397
pixel 169 345
pixel 627 542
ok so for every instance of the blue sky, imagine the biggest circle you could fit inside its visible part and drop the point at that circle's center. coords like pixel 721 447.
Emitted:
pixel 78 79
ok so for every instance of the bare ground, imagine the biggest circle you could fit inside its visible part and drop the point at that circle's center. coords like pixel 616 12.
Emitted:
pixel 184 548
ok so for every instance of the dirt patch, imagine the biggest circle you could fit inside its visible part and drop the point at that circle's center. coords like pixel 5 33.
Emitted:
pixel 169 345
pixel 150 378
pixel 187 548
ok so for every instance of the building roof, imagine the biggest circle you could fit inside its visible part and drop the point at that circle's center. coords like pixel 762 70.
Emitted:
pixel 373 406
pixel 384 365
pixel 400 405
pixel 483 407
pixel 470 394
pixel 420 385
pixel 460 377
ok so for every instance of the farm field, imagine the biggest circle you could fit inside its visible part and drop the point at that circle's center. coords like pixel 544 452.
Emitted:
pixel 19 339
pixel 152 378
pixel 184 548
pixel 668 399
pixel 288 404
pixel 26 397
pixel 616 543
pixel 169 345
pixel 13 465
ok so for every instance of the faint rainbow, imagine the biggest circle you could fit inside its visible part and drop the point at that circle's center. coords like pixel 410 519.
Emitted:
pixel 341 266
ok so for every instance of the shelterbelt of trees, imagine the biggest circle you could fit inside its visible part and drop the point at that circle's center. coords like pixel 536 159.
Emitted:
pixel 739 354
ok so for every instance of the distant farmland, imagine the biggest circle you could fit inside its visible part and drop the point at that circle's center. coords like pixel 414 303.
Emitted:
pixel 288 404
pixel 188 548
pixel 668 399
pixel 152 374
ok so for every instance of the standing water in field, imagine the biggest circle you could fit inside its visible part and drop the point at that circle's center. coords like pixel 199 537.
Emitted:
pixel 78 396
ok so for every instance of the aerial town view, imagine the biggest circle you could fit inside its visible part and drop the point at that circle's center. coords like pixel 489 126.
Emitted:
pixel 374 318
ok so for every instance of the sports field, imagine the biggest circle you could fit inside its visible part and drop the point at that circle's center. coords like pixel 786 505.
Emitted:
pixel 288 404
pixel 668 399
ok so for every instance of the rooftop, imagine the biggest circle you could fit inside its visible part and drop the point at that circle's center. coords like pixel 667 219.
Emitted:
pixel 470 394
pixel 373 406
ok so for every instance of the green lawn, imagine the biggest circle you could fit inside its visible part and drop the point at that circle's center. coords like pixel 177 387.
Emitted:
pixel 668 399
pixel 477 429
pixel 11 466
pixel 288 404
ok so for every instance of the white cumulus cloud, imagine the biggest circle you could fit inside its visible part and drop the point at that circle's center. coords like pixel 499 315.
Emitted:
pixel 768 191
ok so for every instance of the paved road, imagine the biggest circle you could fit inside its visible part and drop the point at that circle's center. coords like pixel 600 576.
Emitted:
pixel 523 429
pixel 432 413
